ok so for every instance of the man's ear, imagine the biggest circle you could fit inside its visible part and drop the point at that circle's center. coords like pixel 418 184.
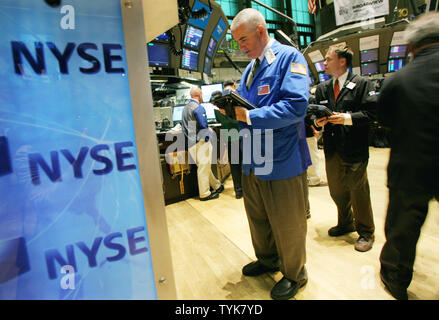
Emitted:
pixel 260 30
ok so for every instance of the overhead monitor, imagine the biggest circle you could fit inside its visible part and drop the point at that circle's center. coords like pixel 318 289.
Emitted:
pixel 397 52
pixel 369 68
pixel 211 47
pixel 193 37
pixel 369 55
pixel 220 28
pixel 158 55
pixel 324 77
pixel 208 89
pixel 177 114
pixel 207 65
pixel 162 37
pixel 320 67
pixel 200 22
pixel 210 111
pixel 395 64
pixel 189 60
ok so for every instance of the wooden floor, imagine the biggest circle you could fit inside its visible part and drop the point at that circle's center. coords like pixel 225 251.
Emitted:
pixel 210 243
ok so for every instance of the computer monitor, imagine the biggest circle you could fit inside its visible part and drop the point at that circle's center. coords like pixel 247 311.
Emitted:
pixel 369 68
pixel 397 52
pixel 220 28
pixel 158 55
pixel 320 67
pixel 211 47
pixel 166 113
pixel 395 64
pixel 207 65
pixel 210 111
pixel 369 55
pixel 177 114
pixel 311 80
pixel 162 37
pixel 189 60
pixel 324 77
pixel 193 37
pixel 208 89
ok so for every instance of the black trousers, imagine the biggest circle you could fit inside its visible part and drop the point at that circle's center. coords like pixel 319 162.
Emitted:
pixel 406 214
pixel 235 163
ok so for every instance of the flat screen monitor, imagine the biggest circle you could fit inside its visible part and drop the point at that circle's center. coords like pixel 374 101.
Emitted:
pixel 162 37
pixel 193 37
pixel 369 68
pixel 207 65
pixel 324 77
pixel 320 67
pixel 210 111
pixel 211 47
pixel 220 28
pixel 369 55
pixel 395 64
pixel 177 114
pixel 189 60
pixel 208 89
pixel 397 52
pixel 158 55
pixel 311 81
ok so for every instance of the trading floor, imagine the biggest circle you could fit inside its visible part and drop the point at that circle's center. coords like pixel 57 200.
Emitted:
pixel 210 243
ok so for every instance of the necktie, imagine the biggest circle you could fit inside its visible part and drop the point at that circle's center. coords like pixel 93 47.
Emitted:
pixel 252 72
pixel 336 89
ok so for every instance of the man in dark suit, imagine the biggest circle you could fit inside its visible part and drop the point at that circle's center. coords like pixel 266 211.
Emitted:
pixel 409 106
pixel 345 138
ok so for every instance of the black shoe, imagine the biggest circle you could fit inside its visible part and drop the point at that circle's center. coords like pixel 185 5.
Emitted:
pixel 256 268
pixel 286 289
pixel 340 230
pixel 213 195
pixel 308 215
pixel 397 293
pixel 220 189
pixel 238 194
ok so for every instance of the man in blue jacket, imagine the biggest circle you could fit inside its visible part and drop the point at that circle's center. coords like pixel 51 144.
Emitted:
pixel 276 81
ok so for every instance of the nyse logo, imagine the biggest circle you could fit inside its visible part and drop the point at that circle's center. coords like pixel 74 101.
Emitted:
pixel 5 159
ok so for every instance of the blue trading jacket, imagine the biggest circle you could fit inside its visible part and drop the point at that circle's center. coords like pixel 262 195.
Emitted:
pixel 280 89
pixel 194 123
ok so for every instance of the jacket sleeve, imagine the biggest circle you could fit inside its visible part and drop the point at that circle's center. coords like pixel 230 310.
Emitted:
pixel 201 118
pixel 367 110
pixel 291 101
pixel 385 109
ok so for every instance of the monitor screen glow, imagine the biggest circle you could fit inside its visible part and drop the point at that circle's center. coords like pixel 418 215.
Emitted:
pixel 397 52
pixel 193 37
pixel 158 55
pixel 320 67
pixel 395 65
pixel 211 47
pixel 208 89
pixel 210 110
pixel 369 68
pixel 177 113
pixel 189 60
pixel 369 55
pixel 207 66
pixel 324 77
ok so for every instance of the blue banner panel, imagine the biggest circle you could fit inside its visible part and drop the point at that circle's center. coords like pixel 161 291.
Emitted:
pixel 72 217
pixel 204 20
pixel 220 28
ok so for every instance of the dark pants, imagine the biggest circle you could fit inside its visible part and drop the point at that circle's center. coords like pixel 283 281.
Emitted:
pixel 276 215
pixel 406 214
pixel 349 188
pixel 235 166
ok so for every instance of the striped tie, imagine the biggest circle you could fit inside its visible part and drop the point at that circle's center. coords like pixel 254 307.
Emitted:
pixel 252 72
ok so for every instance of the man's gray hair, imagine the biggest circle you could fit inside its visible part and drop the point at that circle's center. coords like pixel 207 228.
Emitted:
pixel 424 30
pixel 249 17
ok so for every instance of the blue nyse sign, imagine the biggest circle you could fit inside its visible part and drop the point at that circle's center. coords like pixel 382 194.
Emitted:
pixel 71 208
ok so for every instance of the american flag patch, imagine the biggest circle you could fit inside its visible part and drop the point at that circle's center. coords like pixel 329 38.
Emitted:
pixel 298 68
pixel 263 90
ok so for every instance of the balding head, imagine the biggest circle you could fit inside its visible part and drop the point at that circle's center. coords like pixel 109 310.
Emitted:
pixel 196 94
